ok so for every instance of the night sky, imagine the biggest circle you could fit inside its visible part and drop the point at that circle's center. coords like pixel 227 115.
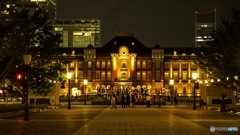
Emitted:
pixel 168 22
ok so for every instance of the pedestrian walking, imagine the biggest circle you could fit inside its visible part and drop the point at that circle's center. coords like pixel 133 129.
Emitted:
pixel 113 102
pixel 148 98
pixel 123 101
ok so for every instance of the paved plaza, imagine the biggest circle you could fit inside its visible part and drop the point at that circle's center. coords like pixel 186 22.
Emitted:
pixel 102 120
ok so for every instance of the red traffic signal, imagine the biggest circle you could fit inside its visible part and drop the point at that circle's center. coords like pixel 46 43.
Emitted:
pixel 19 76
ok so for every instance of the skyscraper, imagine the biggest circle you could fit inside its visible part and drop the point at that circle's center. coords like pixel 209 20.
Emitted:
pixel 205 24
pixel 32 5
pixel 79 33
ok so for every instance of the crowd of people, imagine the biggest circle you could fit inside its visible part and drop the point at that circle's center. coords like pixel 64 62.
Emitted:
pixel 129 100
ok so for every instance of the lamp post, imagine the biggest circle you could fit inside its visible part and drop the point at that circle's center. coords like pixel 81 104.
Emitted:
pixel 27 60
pixel 85 82
pixel 171 83
pixel 194 77
pixel 69 76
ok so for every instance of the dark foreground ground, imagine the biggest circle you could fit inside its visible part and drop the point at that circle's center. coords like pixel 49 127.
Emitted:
pixel 102 120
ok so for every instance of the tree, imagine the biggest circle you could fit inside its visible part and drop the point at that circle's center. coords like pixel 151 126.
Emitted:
pixel 21 33
pixel 220 58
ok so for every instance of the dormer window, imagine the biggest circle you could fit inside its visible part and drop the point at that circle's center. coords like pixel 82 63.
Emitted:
pixel 133 43
pixel 115 43
pixel 174 53
pixel 73 52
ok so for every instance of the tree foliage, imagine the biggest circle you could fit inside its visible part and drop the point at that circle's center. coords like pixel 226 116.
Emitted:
pixel 220 58
pixel 22 32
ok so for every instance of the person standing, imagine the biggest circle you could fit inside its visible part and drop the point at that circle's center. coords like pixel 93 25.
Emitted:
pixel 123 101
pixel 223 104
pixel 160 101
pixel 113 102
pixel 168 98
pixel 148 98
pixel 133 101
pixel 128 100
pixel 175 100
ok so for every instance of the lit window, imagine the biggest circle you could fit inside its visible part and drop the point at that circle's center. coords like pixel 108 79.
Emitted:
pixel 200 40
pixel 89 64
pixel 72 65
pixel 108 64
pixel 138 64
pixel 175 75
pixel 144 64
pixel 184 75
pixel 166 76
pixel 138 75
pixel 124 76
pixel 103 64
pixel 144 75
pixel 97 74
pixel 98 64
pixel 109 75
pixel 103 75
pixel 124 65
pixel 58 29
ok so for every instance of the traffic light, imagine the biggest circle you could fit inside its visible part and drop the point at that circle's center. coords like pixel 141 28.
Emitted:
pixel 19 76
pixel 196 85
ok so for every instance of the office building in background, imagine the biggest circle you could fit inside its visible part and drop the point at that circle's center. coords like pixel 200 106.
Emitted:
pixel 79 33
pixel 205 24
pixel 32 5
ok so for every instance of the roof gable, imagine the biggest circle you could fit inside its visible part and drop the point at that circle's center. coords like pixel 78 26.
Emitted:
pixel 128 40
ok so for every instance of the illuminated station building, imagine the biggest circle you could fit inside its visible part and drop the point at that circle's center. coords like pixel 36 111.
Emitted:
pixel 126 65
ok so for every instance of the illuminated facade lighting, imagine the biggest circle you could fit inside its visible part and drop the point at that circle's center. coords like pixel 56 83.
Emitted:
pixel 121 65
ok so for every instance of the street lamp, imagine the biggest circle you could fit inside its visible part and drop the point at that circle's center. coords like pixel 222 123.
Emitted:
pixel 69 76
pixel 194 77
pixel 27 60
pixel 171 83
pixel 85 82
